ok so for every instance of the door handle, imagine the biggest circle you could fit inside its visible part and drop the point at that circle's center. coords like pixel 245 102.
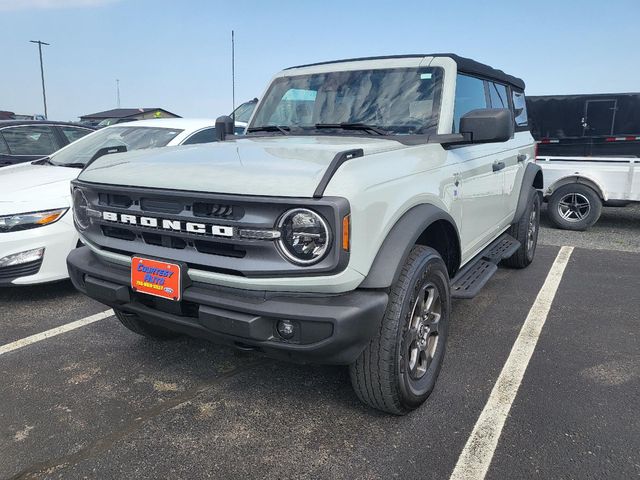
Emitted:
pixel 522 157
pixel 497 166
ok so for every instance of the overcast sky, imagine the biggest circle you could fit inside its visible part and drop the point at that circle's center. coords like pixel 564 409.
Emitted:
pixel 176 54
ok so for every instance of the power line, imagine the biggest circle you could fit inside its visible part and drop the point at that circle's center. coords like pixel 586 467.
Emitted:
pixel 44 93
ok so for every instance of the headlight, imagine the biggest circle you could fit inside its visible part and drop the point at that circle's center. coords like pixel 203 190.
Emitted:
pixel 306 237
pixel 24 221
pixel 80 209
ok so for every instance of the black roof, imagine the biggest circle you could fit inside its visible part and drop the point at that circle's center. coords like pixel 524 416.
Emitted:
pixel 574 96
pixel 14 123
pixel 465 65
pixel 123 113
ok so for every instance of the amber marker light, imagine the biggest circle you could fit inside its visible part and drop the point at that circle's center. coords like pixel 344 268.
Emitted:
pixel 346 232
pixel 50 218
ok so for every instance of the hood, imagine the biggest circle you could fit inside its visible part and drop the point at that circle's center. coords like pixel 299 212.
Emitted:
pixel 273 166
pixel 28 188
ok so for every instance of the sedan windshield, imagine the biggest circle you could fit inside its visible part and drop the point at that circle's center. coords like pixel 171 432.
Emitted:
pixel 396 101
pixel 133 138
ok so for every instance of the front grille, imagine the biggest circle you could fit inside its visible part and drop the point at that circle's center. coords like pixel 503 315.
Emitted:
pixel 21 270
pixel 202 230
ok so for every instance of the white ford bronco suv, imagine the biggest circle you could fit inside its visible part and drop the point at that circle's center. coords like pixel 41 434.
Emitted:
pixel 366 194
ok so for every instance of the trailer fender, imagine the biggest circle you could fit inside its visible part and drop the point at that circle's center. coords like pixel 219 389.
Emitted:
pixel 582 179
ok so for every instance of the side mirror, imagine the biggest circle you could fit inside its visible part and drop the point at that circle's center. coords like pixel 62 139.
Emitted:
pixel 224 127
pixel 487 125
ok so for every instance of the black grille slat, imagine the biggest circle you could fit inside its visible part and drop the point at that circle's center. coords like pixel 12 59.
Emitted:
pixel 216 248
pixel 115 200
pixel 216 210
pixel 118 232
pixel 154 205
pixel 21 270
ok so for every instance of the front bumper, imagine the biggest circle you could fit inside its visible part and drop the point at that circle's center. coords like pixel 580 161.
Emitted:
pixel 58 239
pixel 331 329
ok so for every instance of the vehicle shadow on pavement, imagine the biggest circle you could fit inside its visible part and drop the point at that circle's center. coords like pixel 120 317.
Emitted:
pixel 62 289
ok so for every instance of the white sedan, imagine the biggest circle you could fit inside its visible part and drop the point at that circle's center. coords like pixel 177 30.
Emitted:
pixel 36 223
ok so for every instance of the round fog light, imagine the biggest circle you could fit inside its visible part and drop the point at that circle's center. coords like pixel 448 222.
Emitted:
pixel 286 329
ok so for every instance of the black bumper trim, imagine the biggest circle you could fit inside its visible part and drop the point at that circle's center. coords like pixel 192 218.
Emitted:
pixel 9 274
pixel 331 329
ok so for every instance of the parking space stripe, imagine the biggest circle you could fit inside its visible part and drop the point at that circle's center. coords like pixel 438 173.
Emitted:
pixel 478 452
pixel 10 347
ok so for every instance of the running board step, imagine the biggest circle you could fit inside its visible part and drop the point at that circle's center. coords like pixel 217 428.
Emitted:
pixel 470 280
pixel 469 284
pixel 503 247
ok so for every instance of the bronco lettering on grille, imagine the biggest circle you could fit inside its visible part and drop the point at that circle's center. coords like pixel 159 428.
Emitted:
pixel 173 225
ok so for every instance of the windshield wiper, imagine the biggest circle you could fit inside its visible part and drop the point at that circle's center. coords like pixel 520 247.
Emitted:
pixel 271 128
pixel 43 161
pixel 353 126
pixel 71 165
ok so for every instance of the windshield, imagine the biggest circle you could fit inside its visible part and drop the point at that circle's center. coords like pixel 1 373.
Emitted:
pixel 134 138
pixel 398 100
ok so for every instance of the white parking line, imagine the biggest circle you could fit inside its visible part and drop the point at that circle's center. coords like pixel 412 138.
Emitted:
pixel 477 454
pixel 10 347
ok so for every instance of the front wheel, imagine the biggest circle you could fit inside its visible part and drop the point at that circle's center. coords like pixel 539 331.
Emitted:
pixel 398 369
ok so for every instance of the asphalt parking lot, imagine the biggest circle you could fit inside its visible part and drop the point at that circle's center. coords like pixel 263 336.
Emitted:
pixel 100 402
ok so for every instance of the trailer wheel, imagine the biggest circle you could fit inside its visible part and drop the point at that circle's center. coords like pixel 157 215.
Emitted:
pixel 574 207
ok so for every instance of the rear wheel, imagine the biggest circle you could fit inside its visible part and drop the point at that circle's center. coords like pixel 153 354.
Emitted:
pixel 398 369
pixel 574 207
pixel 525 230
pixel 137 325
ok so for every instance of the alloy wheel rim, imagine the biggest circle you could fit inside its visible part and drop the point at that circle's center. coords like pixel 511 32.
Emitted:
pixel 533 228
pixel 574 207
pixel 422 335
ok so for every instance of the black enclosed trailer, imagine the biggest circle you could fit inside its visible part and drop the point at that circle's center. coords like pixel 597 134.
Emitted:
pixel 598 125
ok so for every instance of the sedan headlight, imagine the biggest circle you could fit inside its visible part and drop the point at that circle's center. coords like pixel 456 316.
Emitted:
pixel 305 236
pixel 81 209
pixel 25 221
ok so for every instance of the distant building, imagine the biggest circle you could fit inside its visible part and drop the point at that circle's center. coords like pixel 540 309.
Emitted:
pixel 121 115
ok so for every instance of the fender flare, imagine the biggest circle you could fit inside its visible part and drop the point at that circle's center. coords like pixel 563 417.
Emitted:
pixel 530 178
pixel 396 247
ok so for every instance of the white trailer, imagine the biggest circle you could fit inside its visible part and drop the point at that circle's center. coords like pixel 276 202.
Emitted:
pixel 589 150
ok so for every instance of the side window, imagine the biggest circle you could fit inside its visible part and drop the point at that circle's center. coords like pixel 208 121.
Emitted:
pixel 519 109
pixel 498 95
pixel 207 135
pixel 470 95
pixel 30 140
pixel 74 133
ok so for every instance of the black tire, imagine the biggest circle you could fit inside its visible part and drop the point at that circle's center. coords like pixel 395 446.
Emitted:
pixel 134 323
pixel 525 230
pixel 574 207
pixel 385 376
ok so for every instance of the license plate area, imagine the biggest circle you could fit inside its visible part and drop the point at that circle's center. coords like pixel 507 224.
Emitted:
pixel 156 277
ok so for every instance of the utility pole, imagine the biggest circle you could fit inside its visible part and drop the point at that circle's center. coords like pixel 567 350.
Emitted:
pixel 233 74
pixel 44 94
pixel 118 92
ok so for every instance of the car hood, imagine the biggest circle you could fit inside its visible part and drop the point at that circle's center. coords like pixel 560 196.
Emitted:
pixel 272 166
pixel 29 188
